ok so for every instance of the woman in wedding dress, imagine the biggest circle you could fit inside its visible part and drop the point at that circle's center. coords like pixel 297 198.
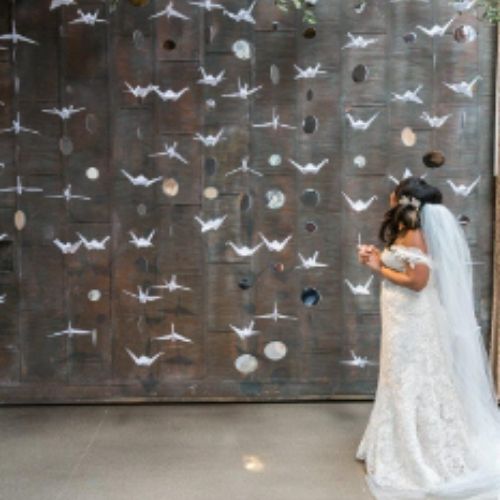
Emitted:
pixel 434 428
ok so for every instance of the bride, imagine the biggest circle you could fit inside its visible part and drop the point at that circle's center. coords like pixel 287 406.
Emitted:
pixel 434 428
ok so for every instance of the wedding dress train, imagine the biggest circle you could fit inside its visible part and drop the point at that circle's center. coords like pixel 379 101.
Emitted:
pixel 418 442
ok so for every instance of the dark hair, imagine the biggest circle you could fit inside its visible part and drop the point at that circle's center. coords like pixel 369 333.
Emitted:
pixel 407 215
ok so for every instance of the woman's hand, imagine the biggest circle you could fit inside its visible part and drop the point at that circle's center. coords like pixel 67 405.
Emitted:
pixel 366 253
pixel 374 261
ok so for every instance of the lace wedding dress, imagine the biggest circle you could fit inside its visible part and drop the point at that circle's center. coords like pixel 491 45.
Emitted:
pixel 418 443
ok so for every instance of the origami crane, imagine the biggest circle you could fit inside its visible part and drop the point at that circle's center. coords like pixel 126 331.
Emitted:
pixel 244 91
pixel 142 242
pixel 211 80
pixel 310 262
pixel 94 244
pixel 169 12
pixel 173 336
pixel 15 37
pixel 358 42
pixel 359 205
pixel 67 247
pixel 71 332
pixel 465 88
pixel 360 289
pixel 243 168
pixel 171 285
pixel 275 315
pixel 309 168
pixel 17 128
pixel 274 123
pixel 170 152
pixel 87 18
pixel 142 296
pixel 67 195
pixel 275 245
pixel 435 121
pixel 360 361
pixel 244 251
pixel 246 331
pixel 436 30
pixel 463 190
pixel 64 113
pixel 141 180
pixel 143 360
pixel 211 224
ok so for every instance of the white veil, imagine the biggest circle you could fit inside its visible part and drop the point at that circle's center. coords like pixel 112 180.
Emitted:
pixel 452 269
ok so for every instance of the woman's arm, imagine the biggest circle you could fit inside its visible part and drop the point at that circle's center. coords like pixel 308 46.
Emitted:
pixel 414 277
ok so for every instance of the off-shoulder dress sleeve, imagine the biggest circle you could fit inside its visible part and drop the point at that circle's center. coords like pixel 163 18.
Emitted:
pixel 412 255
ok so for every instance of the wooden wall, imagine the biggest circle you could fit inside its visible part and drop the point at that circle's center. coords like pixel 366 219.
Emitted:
pixel 87 66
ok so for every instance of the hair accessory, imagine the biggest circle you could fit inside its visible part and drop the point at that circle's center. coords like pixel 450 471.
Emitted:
pixel 409 200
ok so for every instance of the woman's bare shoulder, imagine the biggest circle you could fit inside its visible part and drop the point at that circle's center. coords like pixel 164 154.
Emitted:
pixel 413 238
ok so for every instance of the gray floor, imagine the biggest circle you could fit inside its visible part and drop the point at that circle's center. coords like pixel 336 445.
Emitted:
pixel 277 451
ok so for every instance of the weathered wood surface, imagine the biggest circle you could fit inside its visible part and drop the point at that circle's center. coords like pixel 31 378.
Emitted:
pixel 87 66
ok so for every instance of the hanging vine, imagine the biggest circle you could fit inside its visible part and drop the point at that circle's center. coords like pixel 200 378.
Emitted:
pixel 491 10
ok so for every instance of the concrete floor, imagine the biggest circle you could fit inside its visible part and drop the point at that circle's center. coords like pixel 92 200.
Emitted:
pixel 261 451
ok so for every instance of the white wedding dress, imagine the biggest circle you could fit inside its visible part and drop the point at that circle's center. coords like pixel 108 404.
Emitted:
pixel 418 442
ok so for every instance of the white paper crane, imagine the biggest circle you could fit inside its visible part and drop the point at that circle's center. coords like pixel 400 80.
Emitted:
pixel 211 224
pixel 409 96
pixel 171 285
pixel 360 8
pixel 64 113
pixel 242 14
pixel 275 315
pixel 436 30
pixel 142 295
pixel 17 127
pixel 170 152
pixel 244 251
pixel 210 140
pixel 211 80
pixel 358 124
pixel 15 37
pixel 141 180
pixel 169 94
pixel 360 289
pixel 359 205
pixel 94 244
pixel 274 123
pixel 463 190
pixel 54 4
pixel 463 87
pixel 139 91
pixel 88 18
pixel 168 12
pixel 309 168
pixel 71 332
pixel 208 5
pixel 360 361
pixel 143 360
pixel 358 42
pixel 141 241
pixel 246 331
pixel 67 247
pixel 275 245
pixel 244 91
pixel 310 262
pixel 173 336
pixel 68 195
pixel 463 5
pixel 3 298
pixel 435 121
pixel 20 189
pixel 309 72
pixel 244 168
pixel 407 173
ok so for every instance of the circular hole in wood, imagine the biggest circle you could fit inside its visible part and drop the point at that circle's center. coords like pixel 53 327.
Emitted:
pixel 309 124
pixel 92 173
pixel 463 219
pixel 242 49
pixel 246 363
pixel 408 137
pixel 410 37
pixel 309 95
pixel 464 34
pixel 275 198
pixel 210 192
pixel 359 161
pixel 170 186
pixel 142 209
pixel 279 267
pixel 19 220
pixel 246 282
pixel 275 160
pixel 169 44
pixel 360 73
pixel 310 296
pixel 275 350
pixel 245 202
pixel 434 159
pixel 310 197
pixel 310 226
pixel 274 73
pixel 309 32
pixel 210 165
pixel 66 145
pixel 94 295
